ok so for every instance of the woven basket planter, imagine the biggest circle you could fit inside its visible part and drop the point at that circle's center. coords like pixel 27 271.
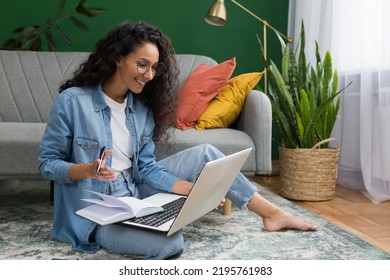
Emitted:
pixel 309 174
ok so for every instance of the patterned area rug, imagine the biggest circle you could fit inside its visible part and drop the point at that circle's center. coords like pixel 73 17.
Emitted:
pixel 25 224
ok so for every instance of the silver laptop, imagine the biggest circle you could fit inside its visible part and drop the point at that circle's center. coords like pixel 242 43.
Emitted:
pixel 207 192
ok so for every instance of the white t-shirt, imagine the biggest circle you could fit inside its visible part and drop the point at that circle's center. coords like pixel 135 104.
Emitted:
pixel 121 140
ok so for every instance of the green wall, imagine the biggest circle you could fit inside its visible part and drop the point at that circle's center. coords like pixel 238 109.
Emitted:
pixel 182 21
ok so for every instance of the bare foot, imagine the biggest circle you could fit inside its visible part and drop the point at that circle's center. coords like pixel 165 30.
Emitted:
pixel 282 220
pixel 274 218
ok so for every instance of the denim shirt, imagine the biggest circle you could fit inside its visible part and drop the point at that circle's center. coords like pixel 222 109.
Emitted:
pixel 78 128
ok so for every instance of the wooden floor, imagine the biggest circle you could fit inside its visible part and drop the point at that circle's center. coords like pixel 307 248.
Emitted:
pixel 349 210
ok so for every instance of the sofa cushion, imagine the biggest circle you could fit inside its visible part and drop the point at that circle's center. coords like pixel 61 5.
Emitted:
pixel 224 109
pixel 202 85
pixel 19 149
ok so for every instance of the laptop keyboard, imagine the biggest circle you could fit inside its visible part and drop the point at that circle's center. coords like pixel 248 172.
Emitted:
pixel 171 209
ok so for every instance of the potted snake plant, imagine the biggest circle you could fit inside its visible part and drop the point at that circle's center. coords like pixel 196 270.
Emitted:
pixel 305 100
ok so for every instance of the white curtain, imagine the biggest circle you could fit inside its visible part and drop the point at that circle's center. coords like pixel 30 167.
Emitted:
pixel 357 33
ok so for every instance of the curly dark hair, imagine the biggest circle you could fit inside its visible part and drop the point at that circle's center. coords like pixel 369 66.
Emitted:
pixel 159 93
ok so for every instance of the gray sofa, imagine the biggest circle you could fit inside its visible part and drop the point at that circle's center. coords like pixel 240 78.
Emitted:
pixel 29 83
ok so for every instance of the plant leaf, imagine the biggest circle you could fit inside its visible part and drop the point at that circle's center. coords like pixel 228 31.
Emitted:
pixel 97 10
pixel 302 71
pixel 293 77
pixel 331 118
pixel 64 36
pixel 318 57
pixel 327 75
pixel 285 63
pixel 305 107
pixel 80 25
pixel 36 44
pixel 51 43
pixel 20 29
pixel 81 9
pixel 29 32
pixel 315 116
pixel 11 43
pixel 62 5
pixel 286 103
pixel 337 106
pixel 335 82
pixel 284 126
pixel 281 89
pixel 265 62
pixel 300 126
pixel 326 91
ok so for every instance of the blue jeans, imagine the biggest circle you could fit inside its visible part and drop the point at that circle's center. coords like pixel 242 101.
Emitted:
pixel 185 165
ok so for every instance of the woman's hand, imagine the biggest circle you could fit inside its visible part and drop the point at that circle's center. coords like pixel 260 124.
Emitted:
pixel 221 204
pixel 105 172
pixel 88 170
pixel 182 187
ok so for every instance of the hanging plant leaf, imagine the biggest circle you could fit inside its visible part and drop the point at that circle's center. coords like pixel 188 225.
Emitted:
pixel 29 32
pixel 52 45
pixel 81 9
pixel 64 36
pixel 97 10
pixel 20 29
pixel 62 5
pixel 36 44
pixel 11 44
pixel 80 25
pixel 49 23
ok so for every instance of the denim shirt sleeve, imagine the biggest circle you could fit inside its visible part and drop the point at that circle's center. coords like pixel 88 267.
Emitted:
pixel 154 174
pixel 56 142
pixel 144 163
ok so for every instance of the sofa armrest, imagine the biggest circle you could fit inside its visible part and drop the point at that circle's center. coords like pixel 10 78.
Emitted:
pixel 256 120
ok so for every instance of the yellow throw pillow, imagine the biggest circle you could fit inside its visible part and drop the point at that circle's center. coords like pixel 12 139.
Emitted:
pixel 224 109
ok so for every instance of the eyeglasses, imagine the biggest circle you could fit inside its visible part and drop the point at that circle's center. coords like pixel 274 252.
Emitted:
pixel 157 69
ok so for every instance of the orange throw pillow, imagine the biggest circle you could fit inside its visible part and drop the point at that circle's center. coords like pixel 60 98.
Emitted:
pixel 201 86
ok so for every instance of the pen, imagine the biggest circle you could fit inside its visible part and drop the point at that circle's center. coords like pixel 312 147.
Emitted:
pixel 101 156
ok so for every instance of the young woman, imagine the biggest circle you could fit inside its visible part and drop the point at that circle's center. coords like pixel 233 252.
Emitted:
pixel 123 98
